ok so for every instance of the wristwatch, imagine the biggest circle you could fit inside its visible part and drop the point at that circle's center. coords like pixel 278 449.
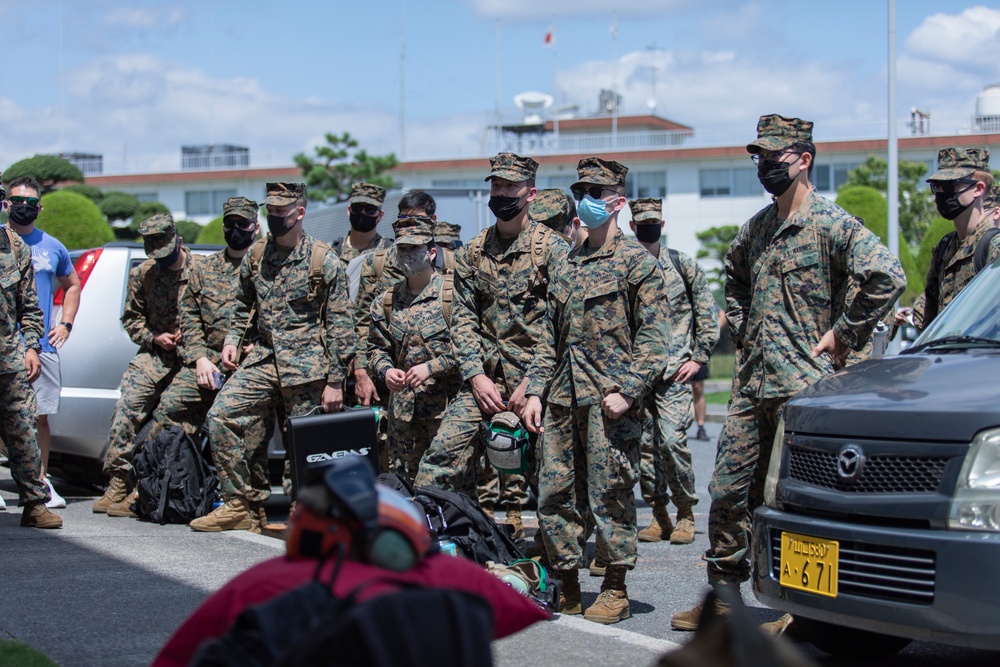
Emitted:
pixel 68 325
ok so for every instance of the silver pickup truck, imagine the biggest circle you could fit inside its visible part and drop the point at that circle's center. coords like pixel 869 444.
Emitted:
pixel 94 359
pixel 881 516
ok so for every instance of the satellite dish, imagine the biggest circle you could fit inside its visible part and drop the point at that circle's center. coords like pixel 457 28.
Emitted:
pixel 532 103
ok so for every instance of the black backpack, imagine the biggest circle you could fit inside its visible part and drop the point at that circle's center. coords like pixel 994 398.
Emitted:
pixel 459 518
pixel 308 626
pixel 173 481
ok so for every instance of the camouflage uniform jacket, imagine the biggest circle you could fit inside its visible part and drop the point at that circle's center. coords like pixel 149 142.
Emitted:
pixel 957 257
pixel 18 303
pixel 694 327
pixel 787 284
pixel 369 286
pixel 311 337
pixel 498 318
pixel 347 252
pixel 148 315
pixel 206 307
pixel 416 332
pixel 609 326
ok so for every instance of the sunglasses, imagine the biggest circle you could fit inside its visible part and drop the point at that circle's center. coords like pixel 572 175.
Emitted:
pixel 33 201
pixel 365 209
pixel 595 191
pixel 944 187
pixel 242 223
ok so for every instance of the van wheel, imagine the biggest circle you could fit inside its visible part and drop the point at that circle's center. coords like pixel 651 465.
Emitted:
pixel 845 642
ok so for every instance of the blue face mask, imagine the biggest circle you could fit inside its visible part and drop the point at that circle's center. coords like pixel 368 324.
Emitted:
pixel 593 212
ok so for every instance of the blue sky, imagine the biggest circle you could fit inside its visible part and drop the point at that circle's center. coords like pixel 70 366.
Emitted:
pixel 136 79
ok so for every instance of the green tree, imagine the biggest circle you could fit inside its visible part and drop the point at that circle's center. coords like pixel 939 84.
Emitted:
pixel 189 230
pixel 330 173
pixel 119 205
pixel 211 233
pixel 91 192
pixel 48 170
pixel 916 205
pixel 872 207
pixel 939 227
pixel 74 220
pixel 715 242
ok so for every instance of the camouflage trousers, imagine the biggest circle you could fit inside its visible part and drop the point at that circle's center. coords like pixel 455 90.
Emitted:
pixel 737 487
pixel 588 462
pixel 145 379
pixel 184 403
pixel 18 430
pixel 495 489
pixel 239 425
pixel 665 470
pixel 408 440
pixel 454 459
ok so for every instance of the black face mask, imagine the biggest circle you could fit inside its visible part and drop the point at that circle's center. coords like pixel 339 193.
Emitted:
pixel 276 225
pixel 362 222
pixel 648 233
pixel 171 259
pixel 948 205
pixel 505 208
pixel 239 239
pixel 773 175
pixel 23 214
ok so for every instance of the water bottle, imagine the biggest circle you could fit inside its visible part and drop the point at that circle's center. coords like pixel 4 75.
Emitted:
pixel 447 546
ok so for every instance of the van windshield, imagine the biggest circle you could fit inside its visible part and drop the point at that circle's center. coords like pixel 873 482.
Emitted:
pixel 975 313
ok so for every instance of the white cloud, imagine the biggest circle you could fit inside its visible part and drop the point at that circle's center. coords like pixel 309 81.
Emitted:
pixel 967 40
pixel 145 18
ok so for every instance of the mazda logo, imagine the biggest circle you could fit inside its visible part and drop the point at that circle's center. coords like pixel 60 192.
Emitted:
pixel 850 463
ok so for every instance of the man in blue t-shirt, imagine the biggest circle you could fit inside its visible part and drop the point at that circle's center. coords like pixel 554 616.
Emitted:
pixel 52 265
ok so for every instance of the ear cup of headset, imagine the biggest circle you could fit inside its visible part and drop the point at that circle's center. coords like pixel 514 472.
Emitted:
pixel 392 550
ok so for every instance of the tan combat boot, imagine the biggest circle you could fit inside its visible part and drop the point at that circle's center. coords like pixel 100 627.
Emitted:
pixel 683 532
pixel 233 514
pixel 123 509
pixel 256 512
pixel 115 493
pixel 660 528
pixel 688 620
pixel 570 600
pixel 612 603
pixel 514 521
pixel 37 515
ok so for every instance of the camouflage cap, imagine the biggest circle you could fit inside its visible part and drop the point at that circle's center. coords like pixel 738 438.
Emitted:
pixel 776 132
pixel 992 198
pixel 414 229
pixel 600 172
pixel 958 163
pixel 283 194
pixel 647 208
pixel 367 193
pixel 512 167
pixel 159 235
pixel 552 208
pixel 240 207
pixel 446 232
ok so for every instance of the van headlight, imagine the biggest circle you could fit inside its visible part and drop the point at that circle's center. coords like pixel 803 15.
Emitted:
pixel 774 466
pixel 976 505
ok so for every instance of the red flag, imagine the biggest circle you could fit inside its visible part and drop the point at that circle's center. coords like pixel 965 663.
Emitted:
pixel 550 37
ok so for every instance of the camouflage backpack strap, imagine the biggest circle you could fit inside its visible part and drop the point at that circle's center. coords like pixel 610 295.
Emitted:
pixel 447 296
pixel 675 259
pixel 477 248
pixel 337 245
pixel 446 263
pixel 378 263
pixel 387 300
pixel 317 279
pixel 256 253
pixel 538 238
pixel 983 249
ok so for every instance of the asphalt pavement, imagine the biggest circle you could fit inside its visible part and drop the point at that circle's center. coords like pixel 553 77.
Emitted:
pixel 108 592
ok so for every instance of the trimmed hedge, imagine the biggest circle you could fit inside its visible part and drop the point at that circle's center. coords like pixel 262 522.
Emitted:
pixel 75 220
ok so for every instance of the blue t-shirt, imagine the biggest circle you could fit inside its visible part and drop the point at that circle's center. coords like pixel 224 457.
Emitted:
pixel 51 261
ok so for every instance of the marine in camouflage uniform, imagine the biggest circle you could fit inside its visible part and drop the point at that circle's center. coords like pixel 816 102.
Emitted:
pixel 447 235
pixel 608 344
pixel 787 276
pixel 668 412
pixel 18 410
pixel 498 319
pixel 555 209
pixel 306 342
pixel 963 175
pixel 365 212
pixel 414 332
pixel 151 321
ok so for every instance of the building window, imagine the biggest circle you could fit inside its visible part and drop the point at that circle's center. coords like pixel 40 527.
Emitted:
pixel 206 202
pixel 562 182
pixel 821 177
pixel 746 183
pixel 715 182
pixel 651 184
pixel 147 196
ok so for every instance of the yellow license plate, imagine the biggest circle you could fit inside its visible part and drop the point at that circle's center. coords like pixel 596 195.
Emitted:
pixel 809 564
